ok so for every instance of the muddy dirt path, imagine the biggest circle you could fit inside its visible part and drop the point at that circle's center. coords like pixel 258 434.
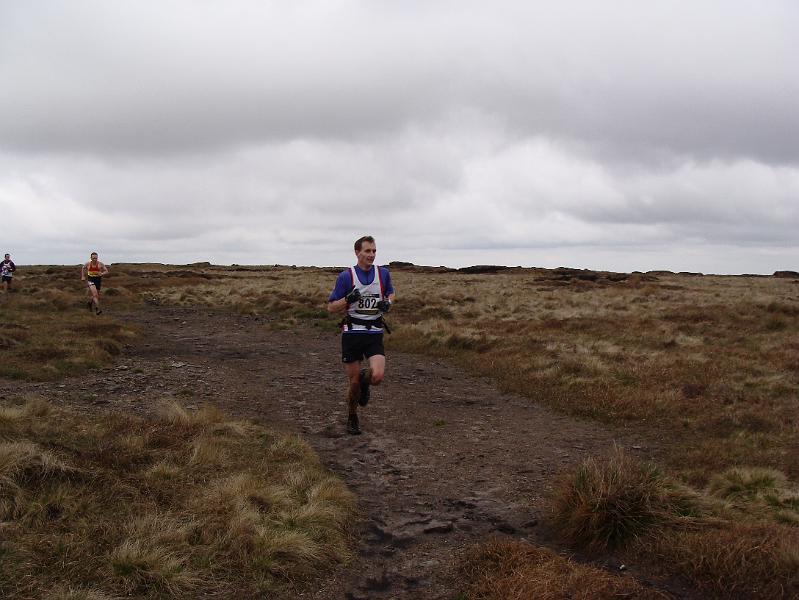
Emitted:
pixel 445 460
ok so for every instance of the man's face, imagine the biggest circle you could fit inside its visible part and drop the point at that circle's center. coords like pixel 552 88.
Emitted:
pixel 94 256
pixel 366 255
pixel 8 256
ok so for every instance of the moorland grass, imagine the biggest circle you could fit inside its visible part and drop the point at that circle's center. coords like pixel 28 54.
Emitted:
pixel 746 548
pixel 46 331
pixel 730 559
pixel 514 570
pixel 190 504
pixel 707 364
pixel 711 362
pixel 606 504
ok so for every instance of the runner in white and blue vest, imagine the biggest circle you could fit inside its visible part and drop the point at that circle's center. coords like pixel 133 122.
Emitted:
pixel 364 294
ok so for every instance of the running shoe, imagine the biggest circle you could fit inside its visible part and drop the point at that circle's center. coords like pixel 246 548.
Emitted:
pixel 363 379
pixel 352 425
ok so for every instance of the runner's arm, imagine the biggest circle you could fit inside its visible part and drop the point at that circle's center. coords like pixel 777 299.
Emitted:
pixel 390 295
pixel 335 306
pixel 337 302
pixel 104 269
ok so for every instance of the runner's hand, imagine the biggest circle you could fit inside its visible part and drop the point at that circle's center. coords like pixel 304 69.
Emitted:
pixel 384 306
pixel 353 296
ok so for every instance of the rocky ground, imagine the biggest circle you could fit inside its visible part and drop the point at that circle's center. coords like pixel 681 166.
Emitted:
pixel 444 461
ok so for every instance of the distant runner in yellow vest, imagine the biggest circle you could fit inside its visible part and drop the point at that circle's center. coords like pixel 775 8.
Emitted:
pixel 92 273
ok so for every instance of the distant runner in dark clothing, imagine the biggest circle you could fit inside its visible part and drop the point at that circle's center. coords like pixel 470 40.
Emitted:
pixel 364 294
pixel 92 273
pixel 7 268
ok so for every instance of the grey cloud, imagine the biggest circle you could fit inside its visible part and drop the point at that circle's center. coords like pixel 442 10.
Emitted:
pixel 496 193
pixel 523 133
pixel 187 77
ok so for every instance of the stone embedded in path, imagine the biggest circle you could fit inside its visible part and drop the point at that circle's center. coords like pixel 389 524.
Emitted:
pixel 505 527
pixel 530 524
pixel 378 584
pixel 375 533
pixel 438 527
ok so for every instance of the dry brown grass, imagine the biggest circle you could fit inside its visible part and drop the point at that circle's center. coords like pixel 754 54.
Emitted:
pixel 283 295
pixel 730 560
pixel 512 570
pixel 606 504
pixel 706 364
pixel 187 505
pixel 46 332
pixel 725 549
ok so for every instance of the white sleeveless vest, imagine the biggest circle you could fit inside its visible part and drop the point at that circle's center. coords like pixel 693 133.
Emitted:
pixel 366 307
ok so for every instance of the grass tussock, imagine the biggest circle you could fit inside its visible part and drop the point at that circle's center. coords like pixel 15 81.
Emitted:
pixel 175 414
pixel 186 505
pixel 747 483
pixel 606 504
pixel 67 593
pixel 143 567
pixel 623 505
pixel 512 570
pixel 760 492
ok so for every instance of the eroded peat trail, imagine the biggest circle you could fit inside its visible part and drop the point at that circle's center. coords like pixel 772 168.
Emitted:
pixel 445 459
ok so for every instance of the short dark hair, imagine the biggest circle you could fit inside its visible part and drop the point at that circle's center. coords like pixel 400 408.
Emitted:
pixel 93 253
pixel 359 242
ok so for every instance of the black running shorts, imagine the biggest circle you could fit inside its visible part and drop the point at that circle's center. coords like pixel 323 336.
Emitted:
pixel 357 346
pixel 97 282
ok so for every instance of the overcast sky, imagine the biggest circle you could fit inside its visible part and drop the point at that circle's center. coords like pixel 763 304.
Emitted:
pixel 621 135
